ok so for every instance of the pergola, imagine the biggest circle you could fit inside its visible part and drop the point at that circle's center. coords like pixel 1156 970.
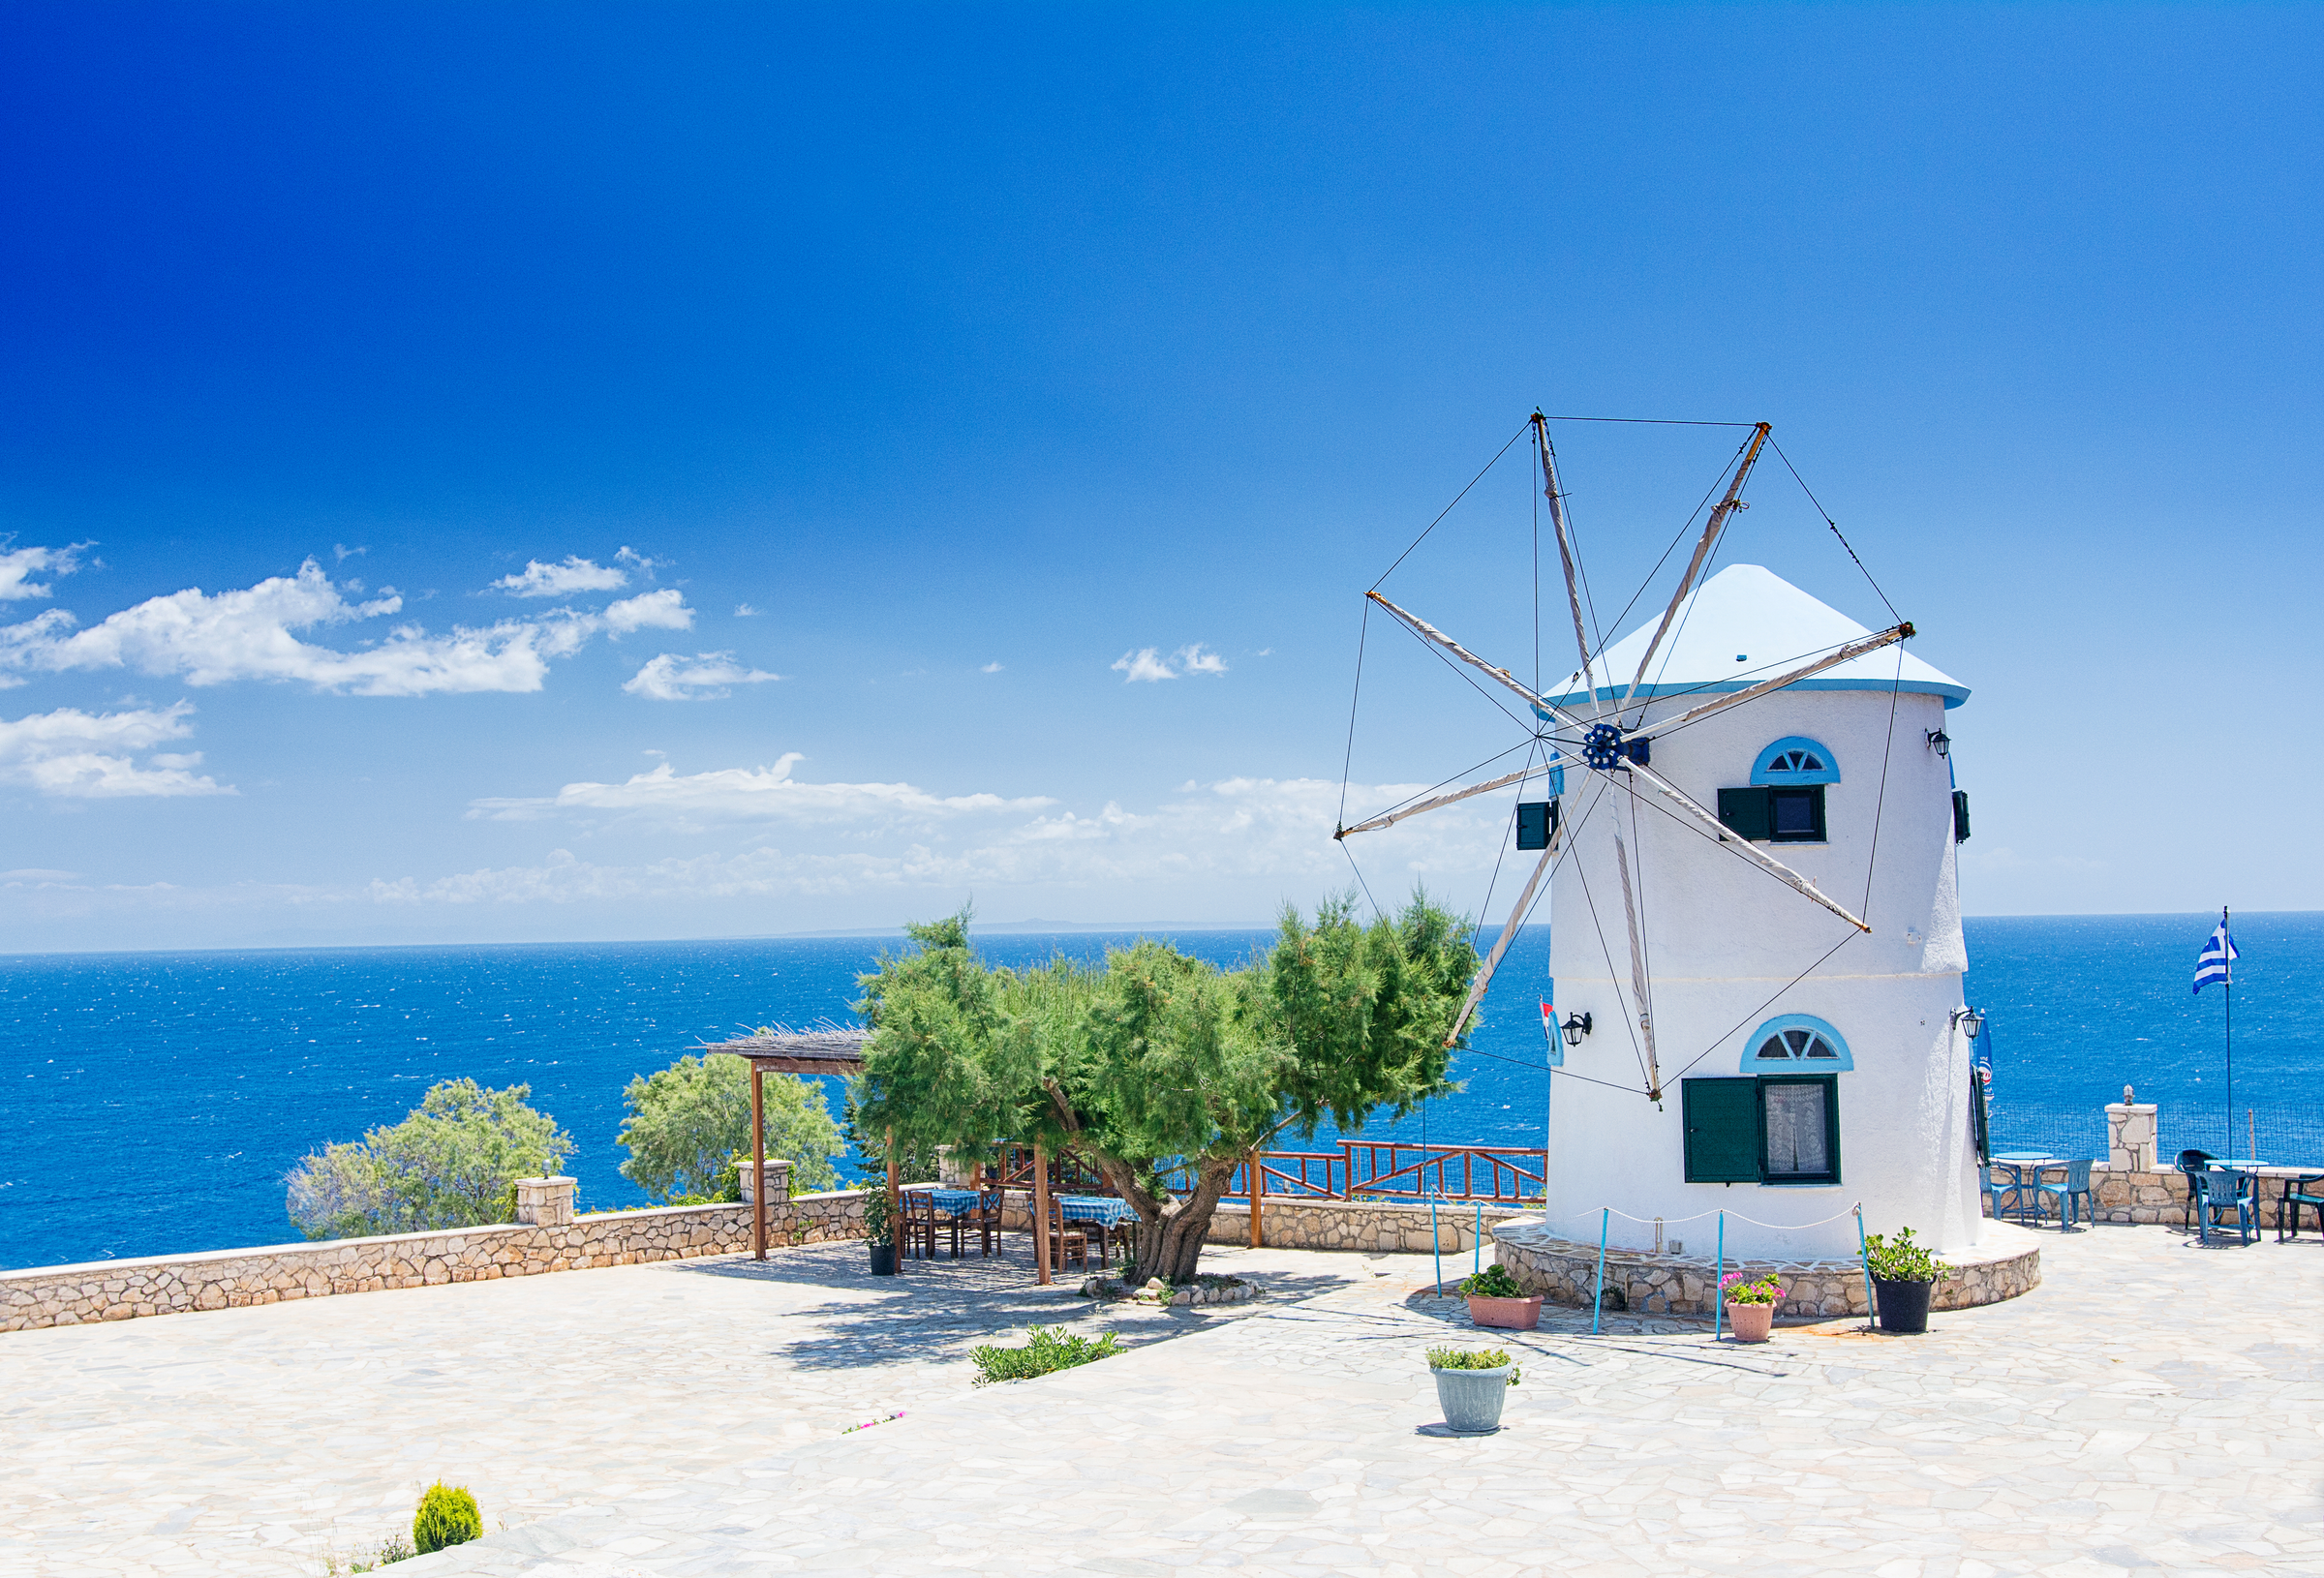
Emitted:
pixel 831 1050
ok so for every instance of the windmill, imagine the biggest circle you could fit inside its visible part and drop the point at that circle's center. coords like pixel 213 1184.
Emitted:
pixel 1606 733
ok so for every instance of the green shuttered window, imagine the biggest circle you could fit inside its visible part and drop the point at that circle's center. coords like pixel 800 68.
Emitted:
pixel 1778 1129
pixel 1783 816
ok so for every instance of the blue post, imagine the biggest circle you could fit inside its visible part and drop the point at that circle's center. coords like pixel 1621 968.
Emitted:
pixel 1719 1291
pixel 1597 1294
pixel 1437 1245
pixel 1871 1316
pixel 1477 1249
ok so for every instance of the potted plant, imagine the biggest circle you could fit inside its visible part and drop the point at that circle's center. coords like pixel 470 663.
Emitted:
pixel 1904 1275
pixel 1751 1305
pixel 1496 1300
pixel 879 1230
pixel 1471 1386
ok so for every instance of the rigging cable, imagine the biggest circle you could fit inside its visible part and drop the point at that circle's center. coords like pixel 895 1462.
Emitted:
pixel 1449 509
pixel 1834 525
pixel 1347 762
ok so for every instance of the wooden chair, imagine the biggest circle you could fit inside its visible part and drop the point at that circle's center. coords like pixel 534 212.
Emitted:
pixel 1068 1244
pixel 923 1222
pixel 984 1217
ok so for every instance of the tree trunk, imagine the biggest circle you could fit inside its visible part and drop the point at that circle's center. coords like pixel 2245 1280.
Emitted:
pixel 1171 1248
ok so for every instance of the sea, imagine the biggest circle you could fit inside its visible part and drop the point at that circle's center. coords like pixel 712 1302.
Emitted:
pixel 153 1103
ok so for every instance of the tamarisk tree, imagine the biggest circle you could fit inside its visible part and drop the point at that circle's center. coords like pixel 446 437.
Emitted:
pixel 1159 1066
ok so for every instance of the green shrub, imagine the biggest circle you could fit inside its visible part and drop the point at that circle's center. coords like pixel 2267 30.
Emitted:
pixel 1471 1358
pixel 1900 1260
pixel 1050 1348
pixel 689 1129
pixel 448 1516
pixel 1493 1282
pixel 452 1162
pixel 880 1215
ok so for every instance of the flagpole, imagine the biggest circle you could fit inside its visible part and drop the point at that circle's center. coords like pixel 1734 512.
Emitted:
pixel 2230 986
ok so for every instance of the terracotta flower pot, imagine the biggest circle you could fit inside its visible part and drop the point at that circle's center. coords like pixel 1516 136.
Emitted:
pixel 1514 1313
pixel 1750 1323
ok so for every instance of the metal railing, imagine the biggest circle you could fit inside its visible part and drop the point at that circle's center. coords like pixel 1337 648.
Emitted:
pixel 1359 1170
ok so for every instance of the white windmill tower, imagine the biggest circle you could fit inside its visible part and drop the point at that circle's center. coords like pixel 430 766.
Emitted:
pixel 1750 851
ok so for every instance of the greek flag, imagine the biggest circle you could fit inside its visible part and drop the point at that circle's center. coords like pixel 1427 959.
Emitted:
pixel 2216 963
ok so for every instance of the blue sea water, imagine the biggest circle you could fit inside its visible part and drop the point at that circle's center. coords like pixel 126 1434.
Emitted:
pixel 152 1102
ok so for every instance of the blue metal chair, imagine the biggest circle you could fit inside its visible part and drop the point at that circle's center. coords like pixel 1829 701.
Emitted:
pixel 2219 1194
pixel 2190 1163
pixel 2075 1186
pixel 2298 1192
pixel 2006 1192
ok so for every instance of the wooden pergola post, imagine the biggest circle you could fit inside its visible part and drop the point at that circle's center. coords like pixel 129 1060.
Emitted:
pixel 894 1176
pixel 1258 1183
pixel 759 1161
pixel 1041 1215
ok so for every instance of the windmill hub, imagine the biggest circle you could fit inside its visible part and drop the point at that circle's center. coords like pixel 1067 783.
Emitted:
pixel 1602 747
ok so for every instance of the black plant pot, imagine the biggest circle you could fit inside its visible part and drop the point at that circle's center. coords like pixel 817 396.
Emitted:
pixel 1904 1305
pixel 883 1261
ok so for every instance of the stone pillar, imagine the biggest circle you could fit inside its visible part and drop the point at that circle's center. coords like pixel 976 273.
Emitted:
pixel 954 1170
pixel 2130 1135
pixel 779 1181
pixel 545 1202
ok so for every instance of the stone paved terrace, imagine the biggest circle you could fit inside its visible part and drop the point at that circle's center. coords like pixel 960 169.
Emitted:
pixel 2152 1408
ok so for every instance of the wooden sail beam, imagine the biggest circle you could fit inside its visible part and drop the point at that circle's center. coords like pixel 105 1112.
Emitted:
pixel 1564 547
pixel 1638 969
pixel 1430 633
pixel 1702 550
pixel 1845 653
pixel 1509 934
pixel 1391 818
pixel 1694 811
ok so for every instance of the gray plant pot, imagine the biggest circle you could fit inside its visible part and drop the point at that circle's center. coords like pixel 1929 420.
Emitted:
pixel 1472 1399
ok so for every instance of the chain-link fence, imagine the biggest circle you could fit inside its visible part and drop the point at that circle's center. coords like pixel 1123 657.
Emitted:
pixel 2277 1135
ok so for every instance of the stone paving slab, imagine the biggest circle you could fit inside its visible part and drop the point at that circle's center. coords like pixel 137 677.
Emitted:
pixel 2154 1407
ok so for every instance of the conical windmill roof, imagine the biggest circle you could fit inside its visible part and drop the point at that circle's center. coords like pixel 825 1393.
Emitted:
pixel 1743 625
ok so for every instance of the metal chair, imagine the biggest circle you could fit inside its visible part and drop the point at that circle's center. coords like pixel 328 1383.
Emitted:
pixel 2074 1185
pixel 2220 1193
pixel 2190 1163
pixel 2298 1192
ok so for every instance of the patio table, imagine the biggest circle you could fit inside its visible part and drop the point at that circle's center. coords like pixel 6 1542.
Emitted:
pixel 2019 1163
pixel 954 1201
pixel 1099 1208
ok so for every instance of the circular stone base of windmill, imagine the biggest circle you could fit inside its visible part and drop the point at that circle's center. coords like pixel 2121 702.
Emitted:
pixel 1563 1271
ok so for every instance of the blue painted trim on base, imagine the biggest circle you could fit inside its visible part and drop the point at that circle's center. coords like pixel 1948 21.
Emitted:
pixel 1955 695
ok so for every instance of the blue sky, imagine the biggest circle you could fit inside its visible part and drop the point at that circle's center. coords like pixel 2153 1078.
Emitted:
pixel 975 353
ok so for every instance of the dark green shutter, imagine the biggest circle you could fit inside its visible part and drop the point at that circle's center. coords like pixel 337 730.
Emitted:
pixel 1750 812
pixel 1721 1119
pixel 1976 1113
pixel 1960 816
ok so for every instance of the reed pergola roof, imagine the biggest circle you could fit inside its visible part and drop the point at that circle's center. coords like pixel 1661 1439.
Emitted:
pixel 829 1049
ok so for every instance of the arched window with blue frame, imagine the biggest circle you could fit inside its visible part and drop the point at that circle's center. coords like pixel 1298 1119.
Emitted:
pixel 1796 1044
pixel 1795 759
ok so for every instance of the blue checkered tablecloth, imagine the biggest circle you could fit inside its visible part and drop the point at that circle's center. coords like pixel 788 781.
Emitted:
pixel 954 1201
pixel 1104 1208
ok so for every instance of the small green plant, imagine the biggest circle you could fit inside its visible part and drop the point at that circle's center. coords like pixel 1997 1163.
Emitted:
pixel 1473 1358
pixel 1049 1348
pixel 1766 1290
pixel 1493 1282
pixel 448 1516
pixel 394 1548
pixel 1900 1260
pixel 880 1216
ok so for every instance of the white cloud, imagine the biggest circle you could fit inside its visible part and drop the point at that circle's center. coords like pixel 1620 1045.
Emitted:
pixel 17 563
pixel 743 610
pixel 645 566
pixel 211 639
pixel 872 837
pixel 990 668
pixel 1148 664
pixel 704 676
pixel 341 552
pixel 73 754
pixel 753 794
pixel 1143 664
pixel 575 574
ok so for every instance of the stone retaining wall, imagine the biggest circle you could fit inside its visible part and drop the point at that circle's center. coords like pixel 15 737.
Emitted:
pixel 1564 1272
pixel 65 1296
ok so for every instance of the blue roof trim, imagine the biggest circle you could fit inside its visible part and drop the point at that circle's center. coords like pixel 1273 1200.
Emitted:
pixel 1753 1064
pixel 1955 695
